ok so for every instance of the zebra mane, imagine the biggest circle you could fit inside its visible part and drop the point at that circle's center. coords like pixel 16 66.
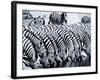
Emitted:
pixel 35 35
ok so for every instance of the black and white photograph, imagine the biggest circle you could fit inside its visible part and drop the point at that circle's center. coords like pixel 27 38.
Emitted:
pixel 56 39
pixel 53 39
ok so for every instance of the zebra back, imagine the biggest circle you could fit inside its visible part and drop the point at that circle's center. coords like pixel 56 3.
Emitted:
pixel 28 49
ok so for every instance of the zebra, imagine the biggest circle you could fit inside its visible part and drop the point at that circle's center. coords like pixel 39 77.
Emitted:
pixel 50 50
pixel 64 33
pixel 34 38
pixel 57 18
pixel 29 63
pixel 36 42
pixel 57 38
pixel 85 38
pixel 56 48
pixel 26 14
pixel 72 40
pixel 45 62
pixel 51 56
pixel 86 22
pixel 26 61
pixel 70 36
pixel 61 44
pixel 86 59
pixel 45 34
pixel 47 41
pixel 60 31
pixel 37 21
pixel 41 31
pixel 50 30
pixel 48 45
pixel 29 51
pixel 25 64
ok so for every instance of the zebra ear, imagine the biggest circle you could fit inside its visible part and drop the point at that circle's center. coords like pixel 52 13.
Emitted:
pixel 65 21
pixel 43 22
pixel 39 16
pixel 43 18
pixel 49 22
pixel 65 14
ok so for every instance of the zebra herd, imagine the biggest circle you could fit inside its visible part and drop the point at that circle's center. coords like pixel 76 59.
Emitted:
pixel 53 45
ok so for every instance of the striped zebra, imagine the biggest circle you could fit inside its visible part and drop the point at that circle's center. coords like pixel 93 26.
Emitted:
pixel 26 14
pixel 73 41
pixel 29 63
pixel 58 39
pixel 80 42
pixel 37 21
pixel 56 48
pixel 70 38
pixel 42 50
pixel 86 27
pixel 46 35
pixel 42 31
pixel 29 51
pixel 35 41
pixel 57 18
pixel 49 45
pixel 45 62
pixel 76 43
pixel 85 38
pixel 67 39
pixel 50 50
pixel 57 35
pixel 34 38
pixel 26 61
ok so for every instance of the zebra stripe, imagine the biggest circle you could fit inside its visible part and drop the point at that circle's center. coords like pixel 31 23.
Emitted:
pixel 48 44
pixel 37 42
pixel 26 62
pixel 47 41
pixel 54 43
pixel 68 38
pixel 57 38
pixel 79 30
pixel 28 49
pixel 61 45
pixel 35 39
pixel 57 33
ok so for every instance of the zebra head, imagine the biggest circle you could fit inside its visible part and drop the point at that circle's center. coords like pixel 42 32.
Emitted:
pixel 86 59
pixel 57 18
pixel 42 50
pixel 58 60
pixel 51 58
pixel 45 62
pixel 35 65
pixel 37 21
